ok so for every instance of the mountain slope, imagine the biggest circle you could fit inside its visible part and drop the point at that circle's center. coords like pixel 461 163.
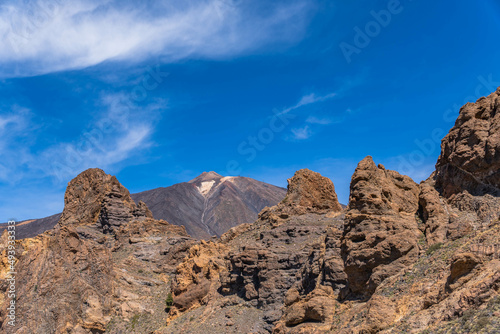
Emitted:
pixel 33 227
pixel 211 204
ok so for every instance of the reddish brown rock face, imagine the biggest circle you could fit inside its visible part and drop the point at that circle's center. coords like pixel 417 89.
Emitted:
pixel 311 191
pixel 94 197
pixel 462 195
pixel 380 231
pixel 105 263
pixel 308 192
pixel 470 153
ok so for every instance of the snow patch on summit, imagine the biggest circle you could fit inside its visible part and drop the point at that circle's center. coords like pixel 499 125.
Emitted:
pixel 205 187
pixel 227 178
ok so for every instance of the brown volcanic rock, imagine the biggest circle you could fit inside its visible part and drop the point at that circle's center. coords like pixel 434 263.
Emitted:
pixel 94 197
pixel 470 153
pixel 68 278
pixel 434 211
pixel 455 289
pixel 257 264
pixel 381 231
pixel 289 272
pixel 256 267
pixel 79 278
pixel 463 195
pixel 308 191
pixel 310 303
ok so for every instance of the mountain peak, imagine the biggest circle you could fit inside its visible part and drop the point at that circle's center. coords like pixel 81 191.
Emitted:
pixel 206 176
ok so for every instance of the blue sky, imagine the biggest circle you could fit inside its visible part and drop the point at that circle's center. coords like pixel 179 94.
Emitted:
pixel 158 92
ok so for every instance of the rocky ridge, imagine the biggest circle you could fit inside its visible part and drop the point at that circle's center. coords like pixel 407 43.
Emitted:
pixel 401 258
pixel 256 264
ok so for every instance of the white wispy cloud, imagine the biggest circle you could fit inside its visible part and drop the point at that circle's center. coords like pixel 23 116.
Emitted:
pixel 15 129
pixel 307 100
pixel 301 133
pixel 306 131
pixel 121 132
pixel 320 121
pixel 48 35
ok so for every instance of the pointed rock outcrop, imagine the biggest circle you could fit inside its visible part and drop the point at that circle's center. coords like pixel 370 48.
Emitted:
pixel 381 231
pixel 307 192
pixel 105 264
pixel 96 198
pixel 463 194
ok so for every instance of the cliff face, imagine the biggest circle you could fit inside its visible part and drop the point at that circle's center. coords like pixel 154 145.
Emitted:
pixel 257 264
pixel 462 195
pixel 470 156
pixel 95 198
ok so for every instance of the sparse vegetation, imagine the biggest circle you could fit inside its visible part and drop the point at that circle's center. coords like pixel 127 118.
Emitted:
pixel 134 320
pixel 169 301
pixel 434 248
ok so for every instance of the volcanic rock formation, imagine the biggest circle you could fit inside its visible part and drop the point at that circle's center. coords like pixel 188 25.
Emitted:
pixel 258 263
pixel 105 264
pixel 381 232
pixel 405 258
pixel 470 156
